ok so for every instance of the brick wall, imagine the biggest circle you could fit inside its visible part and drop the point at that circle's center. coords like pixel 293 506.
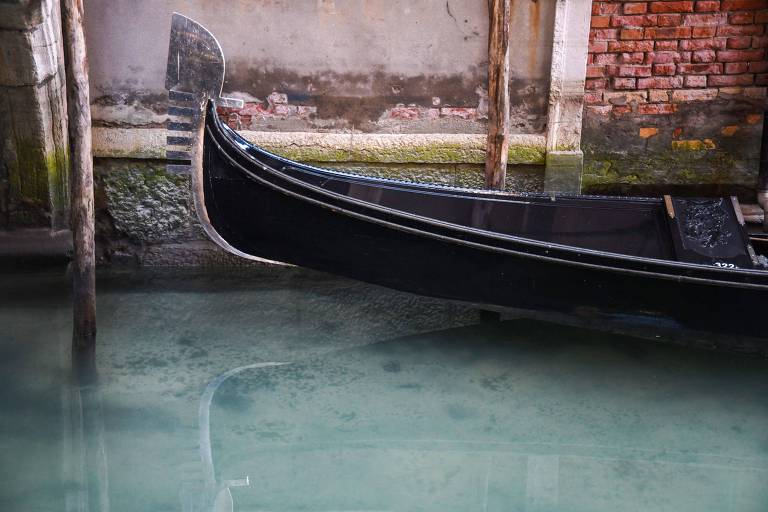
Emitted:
pixel 649 57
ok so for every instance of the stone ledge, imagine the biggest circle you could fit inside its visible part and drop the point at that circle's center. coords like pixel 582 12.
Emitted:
pixel 335 147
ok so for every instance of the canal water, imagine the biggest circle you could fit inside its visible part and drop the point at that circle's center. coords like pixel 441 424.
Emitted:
pixel 280 389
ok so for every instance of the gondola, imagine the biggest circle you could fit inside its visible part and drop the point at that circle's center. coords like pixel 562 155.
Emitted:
pixel 684 258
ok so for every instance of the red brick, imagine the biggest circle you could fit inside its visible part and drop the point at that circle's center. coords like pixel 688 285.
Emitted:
pixel 671 7
pixel 729 80
pixel 741 18
pixel 633 58
pixel 603 34
pixel 656 108
pixel 740 30
pixel 699 69
pixel 739 55
pixel 703 44
pixel 707 6
pixel 605 8
pixel 760 42
pixel 660 82
pixel 707 20
pixel 694 95
pixel 700 56
pixel 669 20
pixel 635 8
pixel 606 58
pixel 736 68
pixel 630 46
pixel 667 32
pixel 758 67
pixel 598 46
pixel 595 83
pixel 761 17
pixel 703 31
pixel 669 57
pixel 664 69
pixel 695 81
pixel 595 71
pixel 593 97
pixel 643 20
pixel 743 5
pixel 761 79
pixel 621 84
pixel 666 45
pixel 623 70
pixel 601 21
pixel 621 109
pixel 739 43
pixel 631 33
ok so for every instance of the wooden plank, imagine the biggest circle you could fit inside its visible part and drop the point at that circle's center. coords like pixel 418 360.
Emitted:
pixel 83 225
pixel 498 94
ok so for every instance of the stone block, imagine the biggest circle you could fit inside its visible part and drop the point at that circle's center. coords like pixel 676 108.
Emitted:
pixel 563 172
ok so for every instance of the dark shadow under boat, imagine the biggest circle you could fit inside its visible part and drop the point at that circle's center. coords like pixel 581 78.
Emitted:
pixel 689 259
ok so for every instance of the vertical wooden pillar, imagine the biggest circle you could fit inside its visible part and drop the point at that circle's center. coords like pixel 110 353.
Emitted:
pixel 79 111
pixel 498 94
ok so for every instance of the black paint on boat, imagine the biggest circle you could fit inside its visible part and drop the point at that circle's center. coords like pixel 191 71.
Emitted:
pixel 686 259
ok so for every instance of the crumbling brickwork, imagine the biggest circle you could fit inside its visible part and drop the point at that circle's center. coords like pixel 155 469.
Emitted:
pixel 648 57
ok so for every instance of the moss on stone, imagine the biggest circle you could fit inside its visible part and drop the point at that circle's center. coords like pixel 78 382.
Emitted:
pixel 693 165
pixel 39 184
pixel 145 202
pixel 426 153
pixel 523 178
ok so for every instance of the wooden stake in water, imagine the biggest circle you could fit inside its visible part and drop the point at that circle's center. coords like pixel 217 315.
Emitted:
pixel 498 94
pixel 81 160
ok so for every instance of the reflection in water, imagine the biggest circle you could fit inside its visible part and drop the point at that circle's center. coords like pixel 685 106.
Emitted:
pixel 85 449
pixel 217 492
pixel 495 417
pixel 390 402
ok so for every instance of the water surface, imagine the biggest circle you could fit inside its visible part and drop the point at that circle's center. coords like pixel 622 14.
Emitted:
pixel 327 394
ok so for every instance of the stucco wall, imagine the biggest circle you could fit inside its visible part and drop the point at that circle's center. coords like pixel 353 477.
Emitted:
pixel 384 66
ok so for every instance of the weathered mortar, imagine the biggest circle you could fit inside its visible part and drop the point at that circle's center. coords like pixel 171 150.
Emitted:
pixel 352 66
pixel 705 147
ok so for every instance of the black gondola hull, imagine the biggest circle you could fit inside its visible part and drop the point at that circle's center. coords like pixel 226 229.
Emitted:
pixel 264 212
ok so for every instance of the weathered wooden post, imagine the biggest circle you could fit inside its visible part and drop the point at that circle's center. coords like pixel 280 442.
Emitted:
pixel 79 113
pixel 498 94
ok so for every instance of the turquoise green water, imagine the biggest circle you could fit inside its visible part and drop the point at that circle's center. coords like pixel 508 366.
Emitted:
pixel 326 394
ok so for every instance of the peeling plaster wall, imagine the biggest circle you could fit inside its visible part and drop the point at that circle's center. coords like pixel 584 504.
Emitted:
pixel 382 66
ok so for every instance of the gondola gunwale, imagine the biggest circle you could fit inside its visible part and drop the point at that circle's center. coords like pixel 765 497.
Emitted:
pixel 228 134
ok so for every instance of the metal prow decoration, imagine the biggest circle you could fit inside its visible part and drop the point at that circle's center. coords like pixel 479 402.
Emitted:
pixel 194 75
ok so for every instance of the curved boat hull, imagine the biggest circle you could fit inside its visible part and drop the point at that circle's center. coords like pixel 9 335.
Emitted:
pixel 262 206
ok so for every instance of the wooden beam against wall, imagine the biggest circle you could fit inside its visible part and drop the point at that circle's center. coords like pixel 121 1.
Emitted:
pixel 498 94
pixel 81 159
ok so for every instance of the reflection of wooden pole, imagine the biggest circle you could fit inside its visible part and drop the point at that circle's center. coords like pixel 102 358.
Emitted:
pixel 79 111
pixel 498 94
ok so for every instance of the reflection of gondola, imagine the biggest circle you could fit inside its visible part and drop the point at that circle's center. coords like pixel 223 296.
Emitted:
pixel 429 422
pixel 688 258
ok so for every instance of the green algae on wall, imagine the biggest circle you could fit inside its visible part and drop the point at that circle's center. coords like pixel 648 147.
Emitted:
pixel 417 154
pixel 702 148
pixel 144 202
pixel 520 178
pixel 38 185
pixel 682 166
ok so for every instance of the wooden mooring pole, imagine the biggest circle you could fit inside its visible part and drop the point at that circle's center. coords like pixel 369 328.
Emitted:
pixel 81 161
pixel 498 94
